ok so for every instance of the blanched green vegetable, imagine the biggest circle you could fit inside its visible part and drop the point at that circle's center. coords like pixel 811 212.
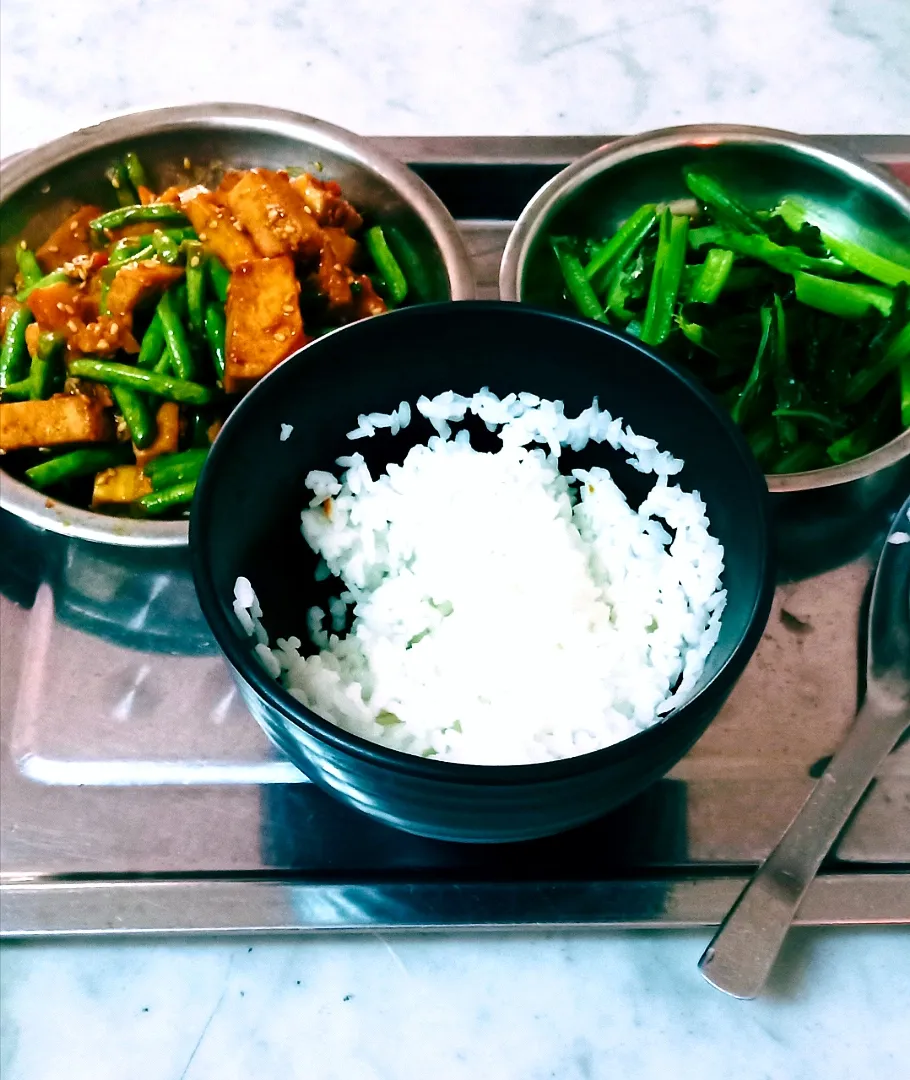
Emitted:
pixel 622 245
pixel 577 284
pixel 665 281
pixel 862 260
pixel 712 276
pixel 799 329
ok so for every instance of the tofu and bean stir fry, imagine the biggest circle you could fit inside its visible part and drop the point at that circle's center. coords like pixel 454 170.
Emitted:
pixel 130 332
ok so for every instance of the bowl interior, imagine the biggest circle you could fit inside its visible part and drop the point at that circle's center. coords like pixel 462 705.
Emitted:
pixel 600 198
pixel 247 510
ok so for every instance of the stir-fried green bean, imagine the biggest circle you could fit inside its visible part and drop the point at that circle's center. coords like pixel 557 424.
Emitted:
pixel 132 215
pixel 46 372
pixel 175 336
pixel 14 353
pixel 195 285
pixel 171 469
pixel 84 462
pixel 148 382
pixel 219 277
pixel 214 333
pixel 29 267
pixel 388 266
pixel 159 502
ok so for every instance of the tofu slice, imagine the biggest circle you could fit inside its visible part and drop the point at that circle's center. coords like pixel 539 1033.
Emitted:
pixel 120 486
pixel 217 229
pixel 326 203
pixel 334 280
pixel 344 246
pixel 136 280
pixel 367 302
pixel 69 240
pixel 64 418
pixel 64 306
pixel 264 325
pixel 274 214
pixel 104 336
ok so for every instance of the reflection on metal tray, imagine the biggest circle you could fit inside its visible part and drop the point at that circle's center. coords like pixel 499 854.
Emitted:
pixel 139 796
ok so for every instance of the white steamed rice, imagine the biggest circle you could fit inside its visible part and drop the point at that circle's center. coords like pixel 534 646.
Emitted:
pixel 503 613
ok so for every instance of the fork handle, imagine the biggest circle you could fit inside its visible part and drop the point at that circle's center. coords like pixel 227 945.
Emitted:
pixel 742 952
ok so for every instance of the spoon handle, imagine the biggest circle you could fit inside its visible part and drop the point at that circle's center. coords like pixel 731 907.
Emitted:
pixel 742 952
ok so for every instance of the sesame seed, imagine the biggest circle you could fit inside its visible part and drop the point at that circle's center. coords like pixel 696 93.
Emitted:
pixel 195 261
pixel 187 164
pixel 45 189
pixel 23 245
pixel 238 226
pixel 280 336
pixel 53 248
pixel 68 308
pixel 115 183
pixel 337 268
pixel 72 326
pixel 203 237
pixel 103 346
pixel 60 306
pixel 288 309
pixel 307 210
pixel 115 328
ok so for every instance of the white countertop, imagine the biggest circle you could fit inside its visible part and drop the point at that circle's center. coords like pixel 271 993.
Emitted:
pixel 561 1006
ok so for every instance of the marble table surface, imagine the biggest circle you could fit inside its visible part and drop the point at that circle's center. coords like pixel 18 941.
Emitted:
pixel 566 1006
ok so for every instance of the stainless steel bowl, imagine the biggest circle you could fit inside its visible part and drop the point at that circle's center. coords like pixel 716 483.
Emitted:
pixel 38 188
pixel 601 189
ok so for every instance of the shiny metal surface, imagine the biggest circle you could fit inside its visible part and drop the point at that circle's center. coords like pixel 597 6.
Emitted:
pixel 740 957
pixel 136 795
pixel 601 189
pixel 40 187
pixel 66 909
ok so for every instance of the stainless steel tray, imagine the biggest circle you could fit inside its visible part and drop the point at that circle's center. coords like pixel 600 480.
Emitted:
pixel 138 796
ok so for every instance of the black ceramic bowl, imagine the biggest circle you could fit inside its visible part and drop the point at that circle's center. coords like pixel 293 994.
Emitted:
pixel 246 522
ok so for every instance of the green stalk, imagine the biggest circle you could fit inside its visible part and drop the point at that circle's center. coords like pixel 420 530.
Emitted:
pixel 668 268
pixel 860 258
pixel 624 244
pixel 709 190
pixel 577 285
pixel 712 276
pixel 848 300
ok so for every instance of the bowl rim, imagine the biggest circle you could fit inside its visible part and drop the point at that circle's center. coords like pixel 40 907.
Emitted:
pixel 52 515
pixel 242 662
pixel 565 184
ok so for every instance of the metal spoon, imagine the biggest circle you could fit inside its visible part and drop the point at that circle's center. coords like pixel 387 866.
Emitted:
pixel 742 952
